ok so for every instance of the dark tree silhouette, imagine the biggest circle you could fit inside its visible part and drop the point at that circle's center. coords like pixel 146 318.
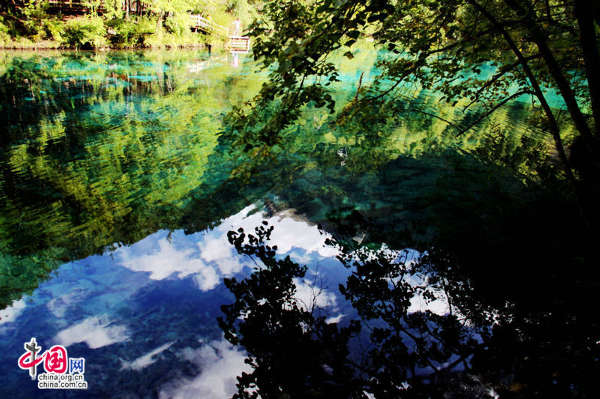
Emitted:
pixel 293 352
pixel 476 348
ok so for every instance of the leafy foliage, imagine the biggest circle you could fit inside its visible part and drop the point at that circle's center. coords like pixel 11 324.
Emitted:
pixel 84 32
pixel 481 54
pixel 129 33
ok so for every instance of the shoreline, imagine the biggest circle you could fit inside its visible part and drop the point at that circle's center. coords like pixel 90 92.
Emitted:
pixel 62 48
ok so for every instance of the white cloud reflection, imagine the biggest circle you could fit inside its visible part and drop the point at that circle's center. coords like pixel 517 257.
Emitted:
pixel 220 364
pixel 96 332
pixel 208 256
pixel 164 261
pixel 145 360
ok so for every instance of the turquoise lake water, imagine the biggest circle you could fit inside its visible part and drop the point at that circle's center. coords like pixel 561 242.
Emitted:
pixel 118 189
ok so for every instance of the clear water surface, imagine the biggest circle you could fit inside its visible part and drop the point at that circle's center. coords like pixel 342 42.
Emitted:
pixel 117 190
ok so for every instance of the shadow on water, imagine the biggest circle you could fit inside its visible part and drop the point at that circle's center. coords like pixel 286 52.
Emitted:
pixel 102 151
pixel 493 249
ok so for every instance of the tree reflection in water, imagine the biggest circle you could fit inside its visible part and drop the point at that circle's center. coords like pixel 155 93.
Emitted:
pixel 468 347
pixel 94 157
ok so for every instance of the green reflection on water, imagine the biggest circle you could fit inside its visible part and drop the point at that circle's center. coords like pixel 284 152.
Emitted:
pixel 105 148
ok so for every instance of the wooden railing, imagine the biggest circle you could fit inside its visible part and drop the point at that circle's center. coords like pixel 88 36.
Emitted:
pixel 240 44
pixel 206 25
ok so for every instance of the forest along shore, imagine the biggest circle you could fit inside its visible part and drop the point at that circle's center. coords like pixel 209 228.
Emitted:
pixel 98 25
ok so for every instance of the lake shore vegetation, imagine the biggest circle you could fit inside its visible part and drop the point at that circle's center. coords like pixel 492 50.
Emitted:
pixel 115 24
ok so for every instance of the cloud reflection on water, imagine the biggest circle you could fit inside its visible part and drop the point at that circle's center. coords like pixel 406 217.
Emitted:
pixel 95 331
pixel 140 307
pixel 135 309
pixel 220 363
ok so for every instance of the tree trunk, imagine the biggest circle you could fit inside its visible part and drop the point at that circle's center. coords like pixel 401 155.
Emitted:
pixel 563 85
pixel 584 13
pixel 554 129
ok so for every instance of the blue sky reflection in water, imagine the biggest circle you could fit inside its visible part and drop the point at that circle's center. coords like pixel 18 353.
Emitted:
pixel 144 316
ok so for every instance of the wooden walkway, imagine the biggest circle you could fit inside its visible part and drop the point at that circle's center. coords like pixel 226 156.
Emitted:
pixel 238 44
pixel 199 23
